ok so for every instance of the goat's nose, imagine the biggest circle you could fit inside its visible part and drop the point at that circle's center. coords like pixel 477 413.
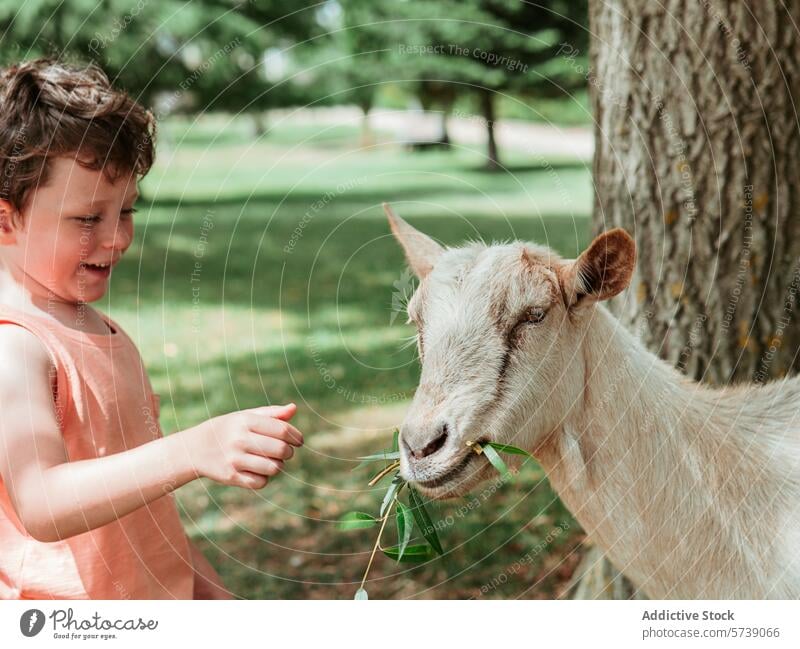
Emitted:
pixel 439 438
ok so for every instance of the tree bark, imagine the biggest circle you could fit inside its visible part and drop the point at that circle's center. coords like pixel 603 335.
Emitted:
pixel 698 156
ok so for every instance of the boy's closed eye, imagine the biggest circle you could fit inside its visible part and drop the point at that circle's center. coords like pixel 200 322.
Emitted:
pixel 91 219
pixel 87 220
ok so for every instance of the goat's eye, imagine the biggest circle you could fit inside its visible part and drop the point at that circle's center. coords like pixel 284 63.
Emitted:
pixel 533 315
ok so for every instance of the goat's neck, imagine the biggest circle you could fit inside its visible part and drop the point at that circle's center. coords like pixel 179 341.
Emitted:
pixel 638 461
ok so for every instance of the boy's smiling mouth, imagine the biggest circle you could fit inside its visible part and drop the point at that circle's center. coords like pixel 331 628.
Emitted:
pixel 102 269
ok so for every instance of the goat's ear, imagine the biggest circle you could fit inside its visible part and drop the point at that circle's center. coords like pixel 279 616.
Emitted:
pixel 421 251
pixel 602 271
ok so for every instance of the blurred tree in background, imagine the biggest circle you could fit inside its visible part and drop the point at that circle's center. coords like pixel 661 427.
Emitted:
pixel 173 56
pixel 228 55
pixel 480 48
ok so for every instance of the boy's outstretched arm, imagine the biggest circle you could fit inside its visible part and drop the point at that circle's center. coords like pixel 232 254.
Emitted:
pixel 56 498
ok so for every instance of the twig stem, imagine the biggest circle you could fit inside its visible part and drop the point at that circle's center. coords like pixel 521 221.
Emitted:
pixel 377 541
pixel 388 469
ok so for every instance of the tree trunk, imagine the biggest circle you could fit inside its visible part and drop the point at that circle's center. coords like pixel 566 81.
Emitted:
pixel 698 156
pixel 447 98
pixel 367 138
pixel 487 106
pixel 444 135
pixel 260 127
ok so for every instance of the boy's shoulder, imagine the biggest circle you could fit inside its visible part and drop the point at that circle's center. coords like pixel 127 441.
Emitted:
pixel 21 353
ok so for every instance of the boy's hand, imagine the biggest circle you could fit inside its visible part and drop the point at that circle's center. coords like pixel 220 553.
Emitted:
pixel 245 448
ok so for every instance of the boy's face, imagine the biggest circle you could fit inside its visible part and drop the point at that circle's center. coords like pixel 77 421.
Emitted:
pixel 74 230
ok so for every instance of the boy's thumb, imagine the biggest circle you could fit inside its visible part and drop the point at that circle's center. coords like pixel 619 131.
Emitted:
pixel 284 412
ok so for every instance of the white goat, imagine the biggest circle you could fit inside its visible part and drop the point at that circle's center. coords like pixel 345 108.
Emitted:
pixel 692 492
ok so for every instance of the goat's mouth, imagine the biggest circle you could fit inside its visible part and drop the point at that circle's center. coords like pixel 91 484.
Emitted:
pixel 448 475
pixel 453 474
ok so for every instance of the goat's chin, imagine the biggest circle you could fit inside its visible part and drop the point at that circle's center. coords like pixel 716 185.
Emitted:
pixel 460 485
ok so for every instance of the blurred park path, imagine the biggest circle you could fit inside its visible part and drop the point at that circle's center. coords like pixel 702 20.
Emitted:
pixel 536 139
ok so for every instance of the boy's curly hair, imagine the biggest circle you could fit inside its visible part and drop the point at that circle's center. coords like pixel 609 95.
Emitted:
pixel 51 109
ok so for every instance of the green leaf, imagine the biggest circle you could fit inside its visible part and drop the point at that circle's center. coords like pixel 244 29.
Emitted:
pixel 361 594
pixel 356 521
pixel 396 442
pixel 496 460
pixel 405 523
pixel 390 494
pixel 423 519
pixel 388 456
pixel 383 455
pixel 411 554
pixel 506 448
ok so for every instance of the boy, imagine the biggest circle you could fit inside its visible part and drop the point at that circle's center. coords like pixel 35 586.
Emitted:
pixel 86 509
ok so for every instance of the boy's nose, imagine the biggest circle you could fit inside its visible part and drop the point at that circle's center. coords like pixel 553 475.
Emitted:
pixel 119 238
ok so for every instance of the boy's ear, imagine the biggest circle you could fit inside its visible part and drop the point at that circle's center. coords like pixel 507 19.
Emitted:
pixel 421 251
pixel 602 271
pixel 8 218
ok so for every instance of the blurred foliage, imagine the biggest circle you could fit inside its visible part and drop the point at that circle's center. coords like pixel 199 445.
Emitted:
pixel 198 55
pixel 248 56
pixel 447 49
pixel 499 45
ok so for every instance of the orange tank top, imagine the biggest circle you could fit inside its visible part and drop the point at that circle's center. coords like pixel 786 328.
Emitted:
pixel 104 404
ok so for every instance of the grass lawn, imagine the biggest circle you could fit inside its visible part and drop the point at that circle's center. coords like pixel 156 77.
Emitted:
pixel 264 272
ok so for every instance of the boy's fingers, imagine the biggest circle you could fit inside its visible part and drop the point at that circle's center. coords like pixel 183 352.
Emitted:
pixel 277 429
pixel 284 412
pixel 267 446
pixel 262 466
pixel 251 480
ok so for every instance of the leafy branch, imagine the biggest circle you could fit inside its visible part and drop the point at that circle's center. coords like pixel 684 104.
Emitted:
pixel 413 513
